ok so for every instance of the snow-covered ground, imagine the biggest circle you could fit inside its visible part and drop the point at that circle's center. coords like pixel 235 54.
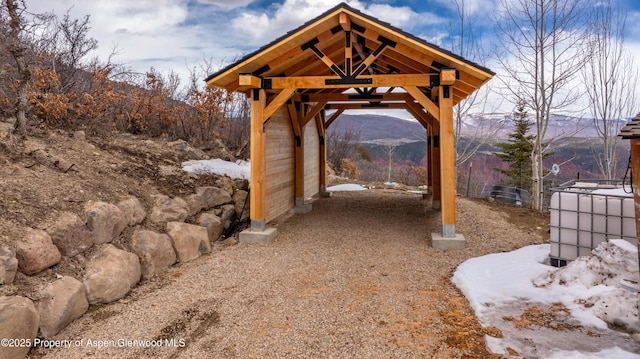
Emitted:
pixel 346 187
pixel 235 170
pixel 579 302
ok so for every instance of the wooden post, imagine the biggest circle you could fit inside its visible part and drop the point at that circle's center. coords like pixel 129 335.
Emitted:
pixel 635 170
pixel 257 149
pixel 435 167
pixel 428 158
pixel 298 132
pixel 322 132
pixel 299 205
pixel 447 155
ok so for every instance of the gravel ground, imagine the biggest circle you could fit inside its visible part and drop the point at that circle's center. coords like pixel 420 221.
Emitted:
pixel 355 278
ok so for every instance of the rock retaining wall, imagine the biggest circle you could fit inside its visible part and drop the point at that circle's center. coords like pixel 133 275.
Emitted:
pixel 191 224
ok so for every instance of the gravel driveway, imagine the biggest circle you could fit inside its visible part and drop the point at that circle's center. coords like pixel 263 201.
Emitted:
pixel 355 278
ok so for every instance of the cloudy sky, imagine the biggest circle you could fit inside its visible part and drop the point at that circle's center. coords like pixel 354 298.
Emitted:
pixel 182 34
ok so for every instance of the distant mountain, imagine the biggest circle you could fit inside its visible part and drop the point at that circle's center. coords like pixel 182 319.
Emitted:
pixel 379 129
pixel 373 128
pixel 560 126
pixel 576 140
pixel 412 152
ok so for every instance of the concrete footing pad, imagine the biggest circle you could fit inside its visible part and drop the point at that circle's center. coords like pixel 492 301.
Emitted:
pixel 440 242
pixel 302 209
pixel 325 194
pixel 267 236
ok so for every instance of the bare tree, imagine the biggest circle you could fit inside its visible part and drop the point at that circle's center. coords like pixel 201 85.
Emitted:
pixel 544 49
pixel 340 145
pixel 220 112
pixel 389 147
pixel 610 79
pixel 16 46
pixel 67 43
pixel 484 130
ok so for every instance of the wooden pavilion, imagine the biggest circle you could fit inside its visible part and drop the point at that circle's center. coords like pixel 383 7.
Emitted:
pixel 344 60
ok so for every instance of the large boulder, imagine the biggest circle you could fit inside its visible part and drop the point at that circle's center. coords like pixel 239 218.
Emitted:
pixel 155 251
pixel 189 240
pixel 111 273
pixel 19 319
pixel 61 302
pixel 227 215
pixel 226 184
pixel 80 136
pixel 36 252
pixel 241 183
pixel 168 209
pixel 214 196
pixel 70 234
pixel 105 220
pixel 5 129
pixel 213 224
pixel 195 203
pixel 133 210
pixel 8 265
pixel 241 202
pixel 182 148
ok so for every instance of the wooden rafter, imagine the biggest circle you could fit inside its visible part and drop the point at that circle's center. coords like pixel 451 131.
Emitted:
pixel 277 102
pixel 334 50
pixel 345 23
pixel 395 80
pixel 293 115
pixel 342 97
pixel 312 113
pixel 418 113
pixel 424 101
pixel 333 117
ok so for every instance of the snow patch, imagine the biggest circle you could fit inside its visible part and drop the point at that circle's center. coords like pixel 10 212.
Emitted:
pixel 604 354
pixel 502 285
pixel 597 280
pixel 346 187
pixel 236 170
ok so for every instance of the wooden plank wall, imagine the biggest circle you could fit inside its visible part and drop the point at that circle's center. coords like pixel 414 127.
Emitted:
pixel 280 165
pixel 311 160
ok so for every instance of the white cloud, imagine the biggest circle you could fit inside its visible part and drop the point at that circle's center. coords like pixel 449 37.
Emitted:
pixel 108 17
pixel 471 7
pixel 254 25
pixel 116 20
pixel 397 16
pixel 262 27
pixel 228 4
pixel 145 17
pixel 145 33
pixel 402 17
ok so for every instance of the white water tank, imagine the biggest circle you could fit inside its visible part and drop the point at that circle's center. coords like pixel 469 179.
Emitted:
pixel 584 215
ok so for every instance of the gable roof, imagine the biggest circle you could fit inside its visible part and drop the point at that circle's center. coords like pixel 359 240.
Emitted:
pixel 305 51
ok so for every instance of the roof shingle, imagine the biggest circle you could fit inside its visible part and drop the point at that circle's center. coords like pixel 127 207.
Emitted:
pixel 632 129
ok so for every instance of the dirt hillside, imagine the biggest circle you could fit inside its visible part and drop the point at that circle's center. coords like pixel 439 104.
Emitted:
pixel 56 171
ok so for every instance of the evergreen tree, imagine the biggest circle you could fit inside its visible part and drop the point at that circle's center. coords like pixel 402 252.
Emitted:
pixel 517 150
